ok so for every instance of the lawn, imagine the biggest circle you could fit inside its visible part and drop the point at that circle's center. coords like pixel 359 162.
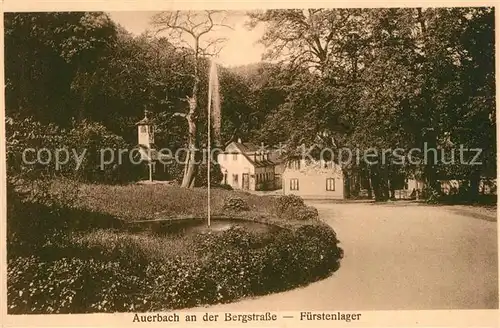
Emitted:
pixel 159 201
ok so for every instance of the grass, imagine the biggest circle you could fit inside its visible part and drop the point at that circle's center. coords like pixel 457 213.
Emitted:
pixel 147 202
pixel 137 245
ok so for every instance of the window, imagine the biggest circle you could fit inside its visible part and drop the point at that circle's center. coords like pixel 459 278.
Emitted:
pixel 235 179
pixel 330 184
pixel 294 184
pixel 143 129
pixel 294 164
pixel 235 157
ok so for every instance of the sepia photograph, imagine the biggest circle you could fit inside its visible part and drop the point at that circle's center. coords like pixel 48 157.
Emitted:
pixel 322 161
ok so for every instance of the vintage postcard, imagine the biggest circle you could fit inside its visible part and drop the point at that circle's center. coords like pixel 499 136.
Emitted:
pixel 249 164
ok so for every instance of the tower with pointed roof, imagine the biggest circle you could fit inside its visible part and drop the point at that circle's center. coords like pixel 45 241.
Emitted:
pixel 145 130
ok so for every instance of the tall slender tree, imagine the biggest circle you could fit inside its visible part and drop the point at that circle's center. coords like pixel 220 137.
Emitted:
pixel 193 31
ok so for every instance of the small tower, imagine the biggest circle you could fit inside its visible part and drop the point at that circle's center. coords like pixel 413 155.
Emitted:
pixel 145 129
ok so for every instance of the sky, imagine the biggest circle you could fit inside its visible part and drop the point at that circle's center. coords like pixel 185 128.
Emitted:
pixel 240 49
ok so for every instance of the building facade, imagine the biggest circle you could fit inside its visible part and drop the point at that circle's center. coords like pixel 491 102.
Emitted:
pixel 245 166
pixel 313 179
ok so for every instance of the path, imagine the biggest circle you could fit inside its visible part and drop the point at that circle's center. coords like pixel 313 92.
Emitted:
pixel 398 258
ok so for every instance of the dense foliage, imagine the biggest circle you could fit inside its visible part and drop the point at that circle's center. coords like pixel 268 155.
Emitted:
pixel 387 78
pixel 111 270
pixel 357 78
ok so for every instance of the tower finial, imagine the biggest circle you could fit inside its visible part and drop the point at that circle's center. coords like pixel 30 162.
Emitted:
pixel 145 113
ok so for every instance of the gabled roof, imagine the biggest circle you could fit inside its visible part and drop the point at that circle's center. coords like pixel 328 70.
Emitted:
pixel 145 120
pixel 247 147
pixel 249 150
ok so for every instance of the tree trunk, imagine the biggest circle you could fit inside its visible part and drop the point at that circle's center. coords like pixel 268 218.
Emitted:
pixel 385 183
pixel 347 184
pixel 370 186
pixel 356 184
pixel 474 181
pixel 430 167
pixel 392 188
pixel 379 184
pixel 191 167
pixel 374 181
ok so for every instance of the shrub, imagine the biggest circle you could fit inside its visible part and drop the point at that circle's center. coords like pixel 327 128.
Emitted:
pixel 431 195
pixel 216 175
pixel 225 186
pixel 283 203
pixel 229 265
pixel 94 137
pixel 305 213
pixel 235 204
pixel 70 285
pixel 292 207
pixel 25 133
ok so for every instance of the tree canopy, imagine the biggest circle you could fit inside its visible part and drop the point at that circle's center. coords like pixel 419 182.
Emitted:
pixel 384 78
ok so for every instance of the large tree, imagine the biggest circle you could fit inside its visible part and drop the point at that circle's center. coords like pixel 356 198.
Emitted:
pixel 385 78
pixel 192 31
pixel 49 58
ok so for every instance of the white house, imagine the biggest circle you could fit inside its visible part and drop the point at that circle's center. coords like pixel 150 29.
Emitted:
pixel 313 179
pixel 246 166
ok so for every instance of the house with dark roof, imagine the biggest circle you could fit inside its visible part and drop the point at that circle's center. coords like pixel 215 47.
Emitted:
pixel 247 166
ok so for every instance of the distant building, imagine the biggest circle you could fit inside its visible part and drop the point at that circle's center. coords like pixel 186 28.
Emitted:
pixel 410 189
pixel 275 156
pixel 487 186
pixel 246 166
pixel 313 179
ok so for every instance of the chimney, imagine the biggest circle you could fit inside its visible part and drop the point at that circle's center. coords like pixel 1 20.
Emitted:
pixel 239 140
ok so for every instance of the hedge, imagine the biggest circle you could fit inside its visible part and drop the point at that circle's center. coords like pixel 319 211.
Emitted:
pixel 231 264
